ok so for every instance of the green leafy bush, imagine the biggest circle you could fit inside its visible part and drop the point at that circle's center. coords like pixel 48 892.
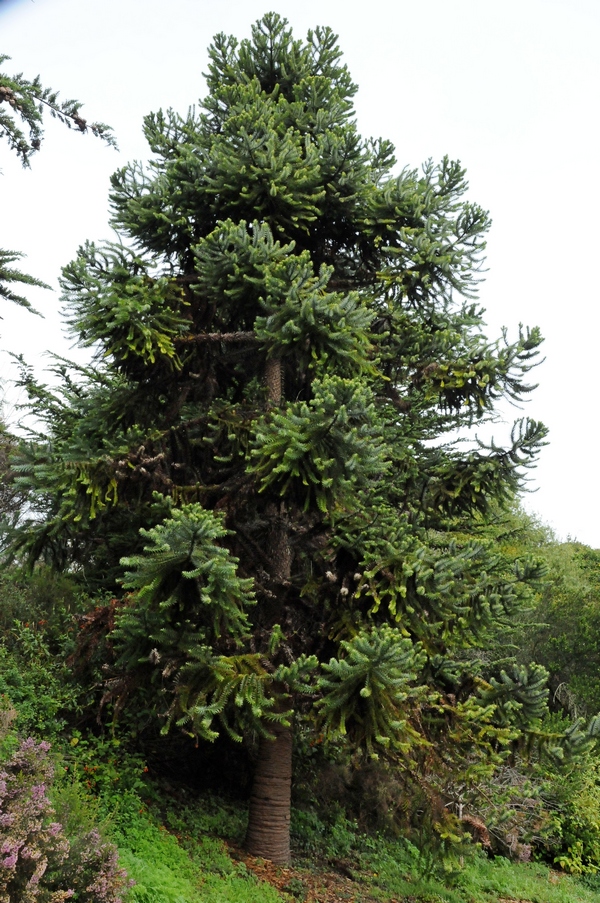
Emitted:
pixel 103 764
pixel 37 630
pixel 37 681
pixel 573 798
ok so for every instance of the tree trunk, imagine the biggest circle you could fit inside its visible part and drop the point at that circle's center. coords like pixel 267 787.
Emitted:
pixel 274 380
pixel 279 541
pixel 268 832
pixel 280 551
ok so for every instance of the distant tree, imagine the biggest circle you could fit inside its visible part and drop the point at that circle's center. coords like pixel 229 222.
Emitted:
pixel 560 629
pixel 286 345
pixel 22 106
pixel 565 636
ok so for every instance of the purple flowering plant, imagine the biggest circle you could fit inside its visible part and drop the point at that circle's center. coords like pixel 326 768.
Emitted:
pixel 38 862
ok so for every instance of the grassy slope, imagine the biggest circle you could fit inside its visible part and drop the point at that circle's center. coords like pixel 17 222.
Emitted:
pixel 191 854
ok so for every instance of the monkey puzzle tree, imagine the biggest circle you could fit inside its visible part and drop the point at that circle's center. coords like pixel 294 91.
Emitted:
pixel 286 344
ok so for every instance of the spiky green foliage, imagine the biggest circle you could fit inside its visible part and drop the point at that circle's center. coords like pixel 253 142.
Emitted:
pixel 184 568
pixel 22 104
pixel 8 276
pixel 520 698
pixel 370 688
pixel 219 686
pixel 288 336
pixel 319 451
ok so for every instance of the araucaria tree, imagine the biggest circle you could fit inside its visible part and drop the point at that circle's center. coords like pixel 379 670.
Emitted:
pixel 264 454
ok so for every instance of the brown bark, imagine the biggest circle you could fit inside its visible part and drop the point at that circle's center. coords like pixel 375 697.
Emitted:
pixel 280 551
pixel 231 338
pixel 274 380
pixel 268 834
pixel 279 542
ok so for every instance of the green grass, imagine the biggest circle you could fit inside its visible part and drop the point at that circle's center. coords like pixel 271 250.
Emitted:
pixel 179 867
pixel 394 869
pixel 175 856
pixel 486 880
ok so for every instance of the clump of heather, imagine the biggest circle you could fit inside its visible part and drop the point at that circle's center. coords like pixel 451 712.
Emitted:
pixel 92 869
pixel 38 863
pixel 29 839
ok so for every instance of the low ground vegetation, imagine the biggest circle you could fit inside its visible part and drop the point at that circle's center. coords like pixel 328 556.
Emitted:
pixel 97 816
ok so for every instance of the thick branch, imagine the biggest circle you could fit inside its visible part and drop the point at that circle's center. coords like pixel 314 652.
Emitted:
pixel 231 338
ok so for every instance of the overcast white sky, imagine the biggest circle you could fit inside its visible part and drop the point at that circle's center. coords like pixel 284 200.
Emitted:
pixel 510 88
